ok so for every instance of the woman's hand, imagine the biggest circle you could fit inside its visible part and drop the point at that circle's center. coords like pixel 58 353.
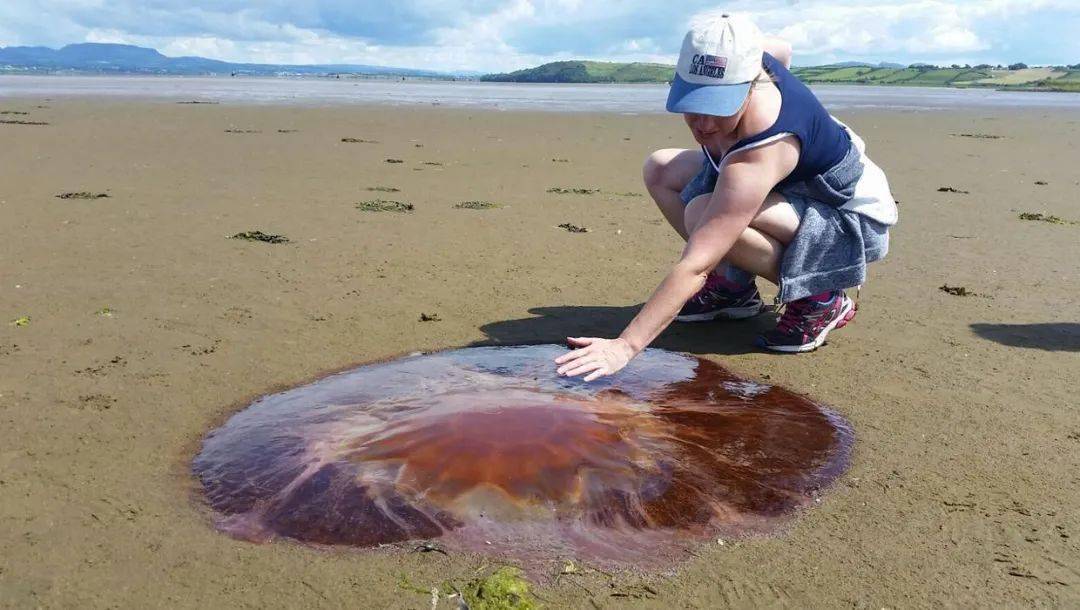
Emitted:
pixel 595 356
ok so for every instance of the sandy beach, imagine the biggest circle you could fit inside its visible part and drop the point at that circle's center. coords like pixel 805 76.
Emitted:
pixel 131 325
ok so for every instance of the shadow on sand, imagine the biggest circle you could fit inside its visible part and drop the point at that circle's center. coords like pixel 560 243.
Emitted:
pixel 555 324
pixel 1049 336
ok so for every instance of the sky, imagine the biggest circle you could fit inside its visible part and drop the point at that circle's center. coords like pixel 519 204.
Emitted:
pixel 503 35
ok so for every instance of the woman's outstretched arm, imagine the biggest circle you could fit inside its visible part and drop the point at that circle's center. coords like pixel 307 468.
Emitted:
pixel 745 180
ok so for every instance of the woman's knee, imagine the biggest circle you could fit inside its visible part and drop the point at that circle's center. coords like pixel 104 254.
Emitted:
pixel 655 165
pixel 777 218
pixel 694 211
pixel 670 168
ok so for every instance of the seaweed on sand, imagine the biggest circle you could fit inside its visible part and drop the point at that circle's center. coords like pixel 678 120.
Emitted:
pixel 956 291
pixel 572 191
pixel 573 228
pixel 384 205
pixel 82 195
pixel 1050 218
pixel 477 205
pixel 260 236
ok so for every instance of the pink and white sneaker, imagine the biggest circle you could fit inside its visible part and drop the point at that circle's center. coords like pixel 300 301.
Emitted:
pixel 715 302
pixel 806 323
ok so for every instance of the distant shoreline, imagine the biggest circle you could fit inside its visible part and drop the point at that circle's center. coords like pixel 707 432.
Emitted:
pixel 1035 87
pixel 646 98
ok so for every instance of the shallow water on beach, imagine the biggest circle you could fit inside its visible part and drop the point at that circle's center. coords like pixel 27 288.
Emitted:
pixel 488 450
pixel 497 96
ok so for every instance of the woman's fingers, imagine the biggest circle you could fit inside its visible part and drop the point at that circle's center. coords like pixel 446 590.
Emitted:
pixel 568 356
pixel 581 340
pixel 596 374
pixel 575 363
pixel 584 367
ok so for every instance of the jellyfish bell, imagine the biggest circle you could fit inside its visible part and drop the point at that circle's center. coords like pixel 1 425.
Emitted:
pixel 488 450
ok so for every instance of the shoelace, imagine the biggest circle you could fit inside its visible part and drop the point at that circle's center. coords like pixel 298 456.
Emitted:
pixel 794 317
pixel 706 291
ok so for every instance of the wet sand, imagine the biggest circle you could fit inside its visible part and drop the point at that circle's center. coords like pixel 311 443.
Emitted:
pixel 148 326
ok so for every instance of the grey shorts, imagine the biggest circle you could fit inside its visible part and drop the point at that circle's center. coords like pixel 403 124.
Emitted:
pixel 831 249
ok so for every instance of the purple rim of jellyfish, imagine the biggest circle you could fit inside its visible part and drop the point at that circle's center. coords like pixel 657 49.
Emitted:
pixel 488 450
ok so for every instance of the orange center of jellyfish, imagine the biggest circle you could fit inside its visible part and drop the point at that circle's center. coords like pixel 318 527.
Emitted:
pixel 517 453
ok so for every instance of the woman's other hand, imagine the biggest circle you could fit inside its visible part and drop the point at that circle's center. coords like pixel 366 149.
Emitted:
pixel 595 356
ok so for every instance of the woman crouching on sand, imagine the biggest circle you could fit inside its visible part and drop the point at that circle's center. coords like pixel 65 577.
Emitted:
pixel 779 189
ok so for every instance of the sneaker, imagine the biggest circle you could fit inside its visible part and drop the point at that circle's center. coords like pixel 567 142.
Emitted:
pixel 807 322
pixel 715 302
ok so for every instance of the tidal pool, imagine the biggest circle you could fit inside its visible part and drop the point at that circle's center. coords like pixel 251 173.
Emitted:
pixel 486 449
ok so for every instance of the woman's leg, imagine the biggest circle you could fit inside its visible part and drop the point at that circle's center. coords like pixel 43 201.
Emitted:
pixel 761 246
pixel 666 173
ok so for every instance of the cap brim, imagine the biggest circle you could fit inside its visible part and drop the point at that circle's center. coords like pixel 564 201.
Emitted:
pixel 717 100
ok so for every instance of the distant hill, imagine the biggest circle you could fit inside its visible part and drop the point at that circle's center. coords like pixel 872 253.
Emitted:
pixel 121 58
pixel 1064 78
pixel 587 72
pixel 923 75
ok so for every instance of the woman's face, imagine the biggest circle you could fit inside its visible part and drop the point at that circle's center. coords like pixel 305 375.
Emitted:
pixel 712 131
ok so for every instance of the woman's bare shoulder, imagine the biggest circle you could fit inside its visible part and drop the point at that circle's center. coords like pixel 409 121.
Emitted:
pixel 780 49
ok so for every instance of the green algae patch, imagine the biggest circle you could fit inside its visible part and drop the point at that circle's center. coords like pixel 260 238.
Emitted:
pixel 21 321
pixel 384 205
pixel 504 589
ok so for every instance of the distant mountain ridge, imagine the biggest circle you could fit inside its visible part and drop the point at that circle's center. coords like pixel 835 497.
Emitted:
pixel 122 58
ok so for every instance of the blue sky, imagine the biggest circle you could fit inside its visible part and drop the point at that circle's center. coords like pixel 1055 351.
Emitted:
pixel 498 35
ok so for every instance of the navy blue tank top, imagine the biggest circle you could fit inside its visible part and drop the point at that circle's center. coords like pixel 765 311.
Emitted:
pixel 823 142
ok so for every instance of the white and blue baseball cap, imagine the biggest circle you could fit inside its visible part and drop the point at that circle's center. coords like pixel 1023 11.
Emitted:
pixel 720 58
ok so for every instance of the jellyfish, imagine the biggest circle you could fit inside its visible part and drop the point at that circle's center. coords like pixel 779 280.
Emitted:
pixel 487 450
